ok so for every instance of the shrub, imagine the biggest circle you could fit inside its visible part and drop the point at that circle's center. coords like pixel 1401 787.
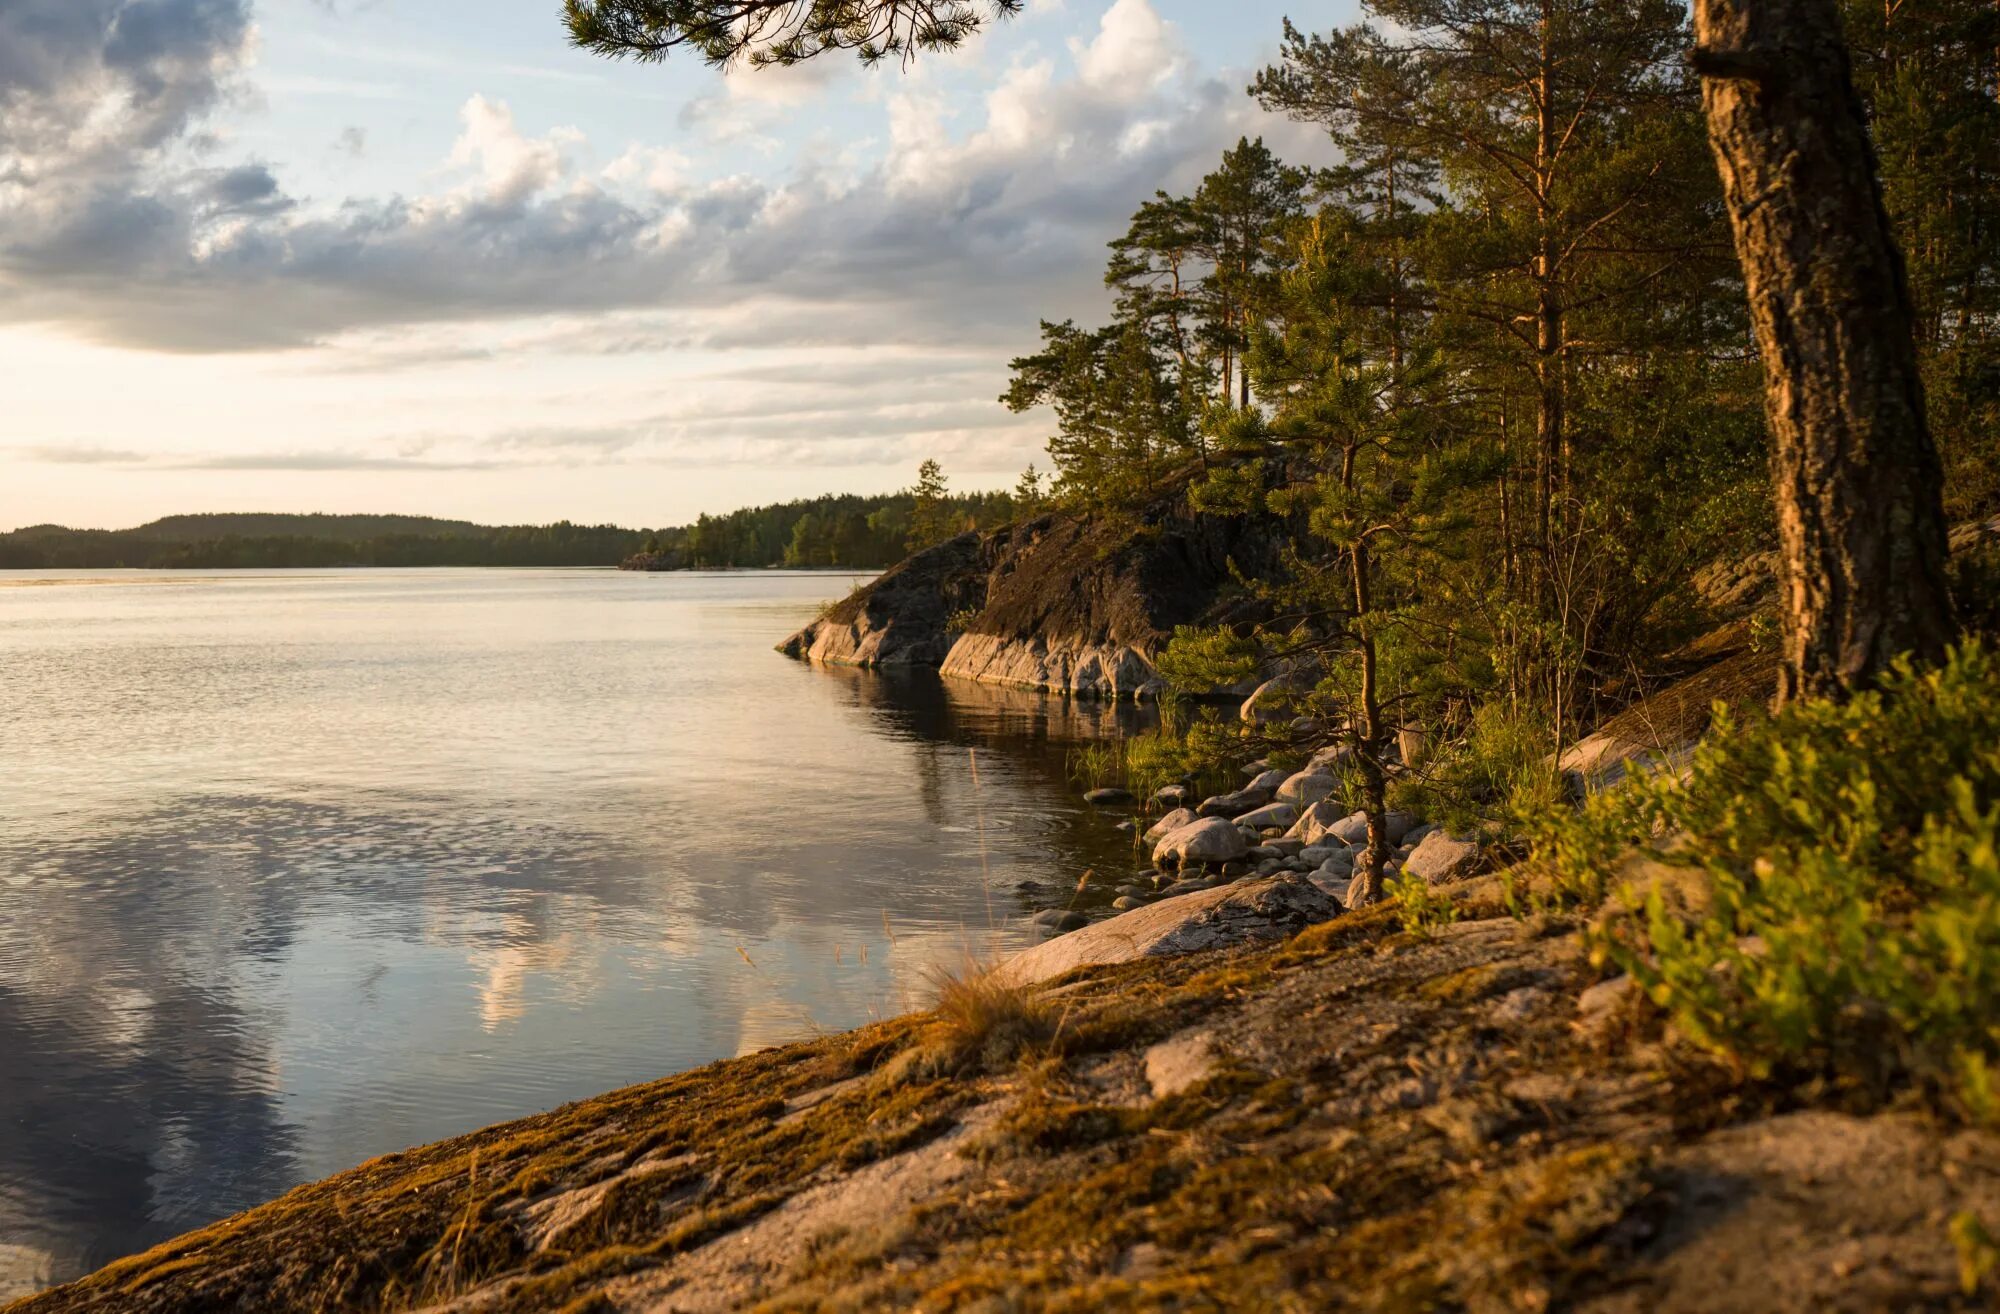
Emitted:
pixel 1851 854
pixel 1500 764
pixel 1422 910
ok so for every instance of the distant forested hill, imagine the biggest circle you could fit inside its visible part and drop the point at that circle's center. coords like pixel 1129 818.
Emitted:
pixel 216 542
pixel 343 529
pixel 840 530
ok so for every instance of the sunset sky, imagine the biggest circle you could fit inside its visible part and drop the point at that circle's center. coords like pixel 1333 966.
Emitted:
pixel 420 256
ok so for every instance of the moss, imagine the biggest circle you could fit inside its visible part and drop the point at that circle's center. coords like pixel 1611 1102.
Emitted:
pixel 1472 984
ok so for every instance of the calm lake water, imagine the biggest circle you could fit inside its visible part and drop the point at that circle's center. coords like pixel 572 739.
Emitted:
pixel 300 868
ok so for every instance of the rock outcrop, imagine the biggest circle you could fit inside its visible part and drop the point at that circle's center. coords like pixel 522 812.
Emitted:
pixel 903 618
pixel 1077 605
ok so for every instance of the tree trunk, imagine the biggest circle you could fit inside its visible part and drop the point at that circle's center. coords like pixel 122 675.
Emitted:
pixel 1374 779
pixel 1859 486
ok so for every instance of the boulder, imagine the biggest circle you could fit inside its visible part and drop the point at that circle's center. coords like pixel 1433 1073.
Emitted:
pixel 1172 796
pixel 1350 829
pixel 1268 781
pixel 1060 921
pixel 1270 701
pixel 1208 841
pixel 1315 855
pixel 1281 815
pixel 1353 829
pixel 1330 757
pixel 1170 823
pixel 1442 858
pixel 1267 909
pixel 1234 805
pixel 1107 798
pixel 1333 884
pixel 1285 848
pixel 1307 787
pixel 1316 822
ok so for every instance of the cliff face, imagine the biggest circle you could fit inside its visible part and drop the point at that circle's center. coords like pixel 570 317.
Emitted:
pixel 903 618
pixel 1070 604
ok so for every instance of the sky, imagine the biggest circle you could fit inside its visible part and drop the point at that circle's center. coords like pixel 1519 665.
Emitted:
pixel 421 256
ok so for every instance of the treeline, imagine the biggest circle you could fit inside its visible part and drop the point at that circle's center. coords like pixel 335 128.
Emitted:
pixel 313 542
pixel 840 530
pixel 836 531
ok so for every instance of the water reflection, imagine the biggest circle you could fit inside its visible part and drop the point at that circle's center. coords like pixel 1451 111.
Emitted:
pixel 297 870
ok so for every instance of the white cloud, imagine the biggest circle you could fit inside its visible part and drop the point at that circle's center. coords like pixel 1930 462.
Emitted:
pixel 880 285
pixel 513 167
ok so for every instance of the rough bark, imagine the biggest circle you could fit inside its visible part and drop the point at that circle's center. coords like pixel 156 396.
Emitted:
pixel 1858 481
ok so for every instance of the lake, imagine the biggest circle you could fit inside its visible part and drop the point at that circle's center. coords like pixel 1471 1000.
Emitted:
pixel 298 868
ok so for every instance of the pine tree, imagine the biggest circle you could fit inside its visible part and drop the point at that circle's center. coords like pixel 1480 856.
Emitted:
pixel 1537 169
pixel 1238 214
pixel 1859 486
pixel 931 519
pixel 777 31
pixel 1029 495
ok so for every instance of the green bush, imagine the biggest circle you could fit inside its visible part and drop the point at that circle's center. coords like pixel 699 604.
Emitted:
pixel 1500 764
pixel 1852 859
pixel 1422 910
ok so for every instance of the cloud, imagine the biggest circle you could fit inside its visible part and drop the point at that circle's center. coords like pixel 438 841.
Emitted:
pixel 51 454
pixel 937 239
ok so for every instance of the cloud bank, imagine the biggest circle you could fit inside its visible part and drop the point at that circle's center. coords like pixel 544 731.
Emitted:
pixel 122 225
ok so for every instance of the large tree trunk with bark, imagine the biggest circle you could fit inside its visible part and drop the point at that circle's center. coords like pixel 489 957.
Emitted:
pixel 1859 485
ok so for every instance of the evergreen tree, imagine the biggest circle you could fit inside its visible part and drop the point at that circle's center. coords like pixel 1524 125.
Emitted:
pixel 1029 495
pixel 1237 217
pixel 1928 73
pixel 931 519
pixel 1859 487
pixel 1536 175
pixel 777 31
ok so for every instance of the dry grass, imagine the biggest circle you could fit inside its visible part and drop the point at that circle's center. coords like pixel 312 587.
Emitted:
pixel 983 1022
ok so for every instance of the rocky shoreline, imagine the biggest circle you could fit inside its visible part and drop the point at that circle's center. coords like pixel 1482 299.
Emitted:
pixel 1288 825
pixel 1068 604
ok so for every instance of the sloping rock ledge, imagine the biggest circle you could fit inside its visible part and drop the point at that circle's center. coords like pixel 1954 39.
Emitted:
pixel 1076 605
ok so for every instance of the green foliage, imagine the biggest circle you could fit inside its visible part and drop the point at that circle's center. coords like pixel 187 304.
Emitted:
pixel 273 541
pixel 1096 765
pixel 1201 661
pixel 1978 1252
pixel 1422 910
pixel 932 520
pixel 1498 766
pixel 1852 858
pixel 777 32
pixel 1926 70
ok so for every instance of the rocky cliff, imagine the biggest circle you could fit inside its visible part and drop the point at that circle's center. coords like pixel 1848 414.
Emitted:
pixel 1078 605
pixel 904 618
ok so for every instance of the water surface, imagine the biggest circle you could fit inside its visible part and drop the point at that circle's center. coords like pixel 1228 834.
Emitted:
pixel 299 868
